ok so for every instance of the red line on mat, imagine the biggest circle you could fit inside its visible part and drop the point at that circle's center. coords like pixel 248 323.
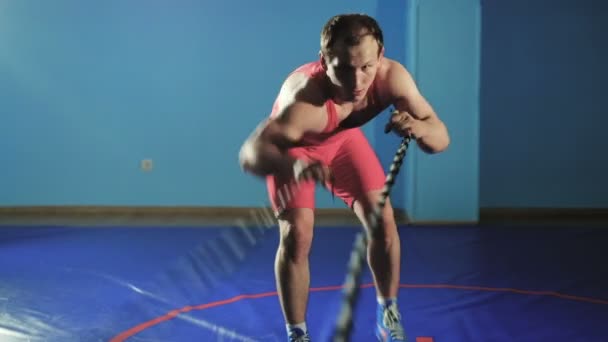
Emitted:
pixel 424 339
pixel 173 313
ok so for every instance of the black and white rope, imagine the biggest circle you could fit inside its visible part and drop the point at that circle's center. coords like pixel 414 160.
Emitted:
pixel 356 263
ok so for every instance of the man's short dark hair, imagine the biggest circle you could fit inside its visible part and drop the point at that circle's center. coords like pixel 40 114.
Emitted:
pixel 349 29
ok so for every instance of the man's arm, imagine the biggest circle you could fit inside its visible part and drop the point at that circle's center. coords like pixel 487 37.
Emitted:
pixel 429 130
pixel 264 151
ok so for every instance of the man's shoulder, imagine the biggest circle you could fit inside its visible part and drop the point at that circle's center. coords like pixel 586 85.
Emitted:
pixel 304 84
pixel 390 67
pixel 311 68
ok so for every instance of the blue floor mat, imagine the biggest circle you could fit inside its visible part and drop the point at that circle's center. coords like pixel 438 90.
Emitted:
pixel 168 284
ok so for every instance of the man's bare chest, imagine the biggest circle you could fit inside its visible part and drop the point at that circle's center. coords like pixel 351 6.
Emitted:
pixel 350 116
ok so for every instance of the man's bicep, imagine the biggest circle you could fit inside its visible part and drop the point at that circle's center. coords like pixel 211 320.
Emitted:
pixel 290 125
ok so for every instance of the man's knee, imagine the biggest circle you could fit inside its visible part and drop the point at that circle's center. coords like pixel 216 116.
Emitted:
pixel 296 232
pixel 386 225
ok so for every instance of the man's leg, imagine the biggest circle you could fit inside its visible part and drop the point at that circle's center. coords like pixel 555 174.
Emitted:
pixel 291 266
pixel 384 258
pixel 360 179
pixel 384 247
pixel 294 208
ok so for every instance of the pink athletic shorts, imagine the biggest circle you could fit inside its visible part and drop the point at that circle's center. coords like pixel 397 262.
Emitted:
pixel 352 161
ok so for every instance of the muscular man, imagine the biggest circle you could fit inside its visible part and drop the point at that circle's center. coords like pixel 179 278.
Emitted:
pixel 313 136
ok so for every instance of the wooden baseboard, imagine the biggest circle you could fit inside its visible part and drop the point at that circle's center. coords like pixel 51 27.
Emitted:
pixel 337 216
pixel 79 211
pixel 175 214
pixel 541 215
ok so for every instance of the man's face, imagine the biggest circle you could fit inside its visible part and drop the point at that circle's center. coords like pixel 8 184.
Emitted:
pixel 352 69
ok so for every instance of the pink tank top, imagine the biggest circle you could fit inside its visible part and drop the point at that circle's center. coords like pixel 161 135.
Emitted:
pixel 314 69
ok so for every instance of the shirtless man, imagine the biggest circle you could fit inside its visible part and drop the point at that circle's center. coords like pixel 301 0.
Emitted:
pixel 313 136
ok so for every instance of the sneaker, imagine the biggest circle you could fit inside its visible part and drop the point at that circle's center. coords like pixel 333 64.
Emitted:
pixel 297 335
pixel 388 327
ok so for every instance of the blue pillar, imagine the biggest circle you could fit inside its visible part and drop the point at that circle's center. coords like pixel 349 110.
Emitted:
pixel 445 54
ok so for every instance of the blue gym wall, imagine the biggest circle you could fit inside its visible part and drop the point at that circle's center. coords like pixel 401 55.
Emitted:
pixel 543 104
pixel 87 91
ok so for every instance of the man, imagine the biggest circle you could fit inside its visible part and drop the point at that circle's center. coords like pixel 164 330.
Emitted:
pixel 313 136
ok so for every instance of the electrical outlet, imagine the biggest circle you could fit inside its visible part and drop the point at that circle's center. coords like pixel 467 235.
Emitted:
pixel 146 165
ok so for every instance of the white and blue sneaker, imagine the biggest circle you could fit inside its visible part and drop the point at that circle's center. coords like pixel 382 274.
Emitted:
pixel 298 335
pixel 388 326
